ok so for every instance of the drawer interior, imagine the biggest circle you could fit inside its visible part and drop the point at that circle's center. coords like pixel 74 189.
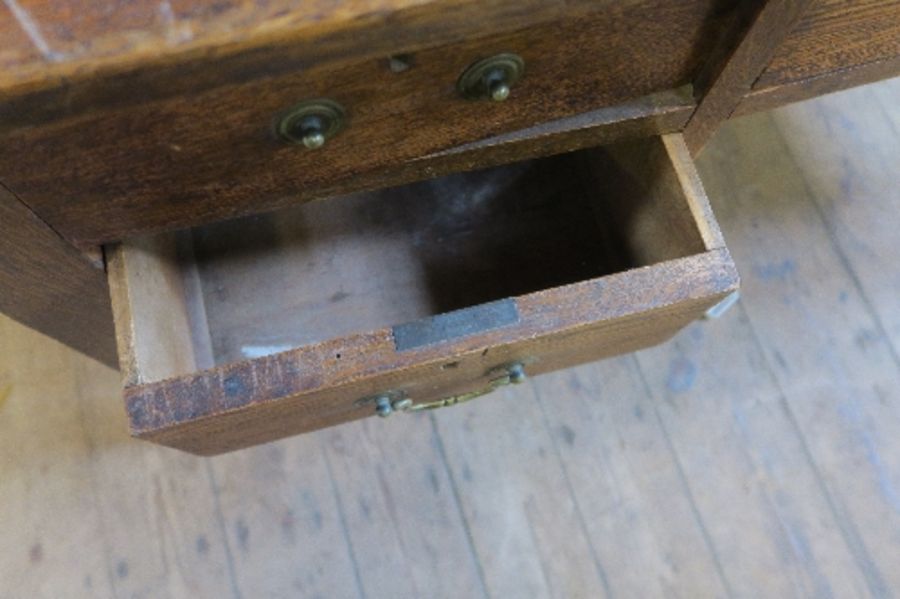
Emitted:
pixel 256 286
pixel 368 261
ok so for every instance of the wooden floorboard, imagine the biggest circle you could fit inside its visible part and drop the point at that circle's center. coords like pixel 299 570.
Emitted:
pixel 630 490
pixel 753 456
pixel 813 321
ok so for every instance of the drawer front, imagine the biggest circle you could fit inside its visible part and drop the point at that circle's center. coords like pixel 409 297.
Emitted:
pixel 224 346
pixel 838 44
pixel 835 35
pixel 214 154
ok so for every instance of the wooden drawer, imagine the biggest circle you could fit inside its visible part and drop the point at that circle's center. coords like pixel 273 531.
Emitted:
pixel 837 44
pixel 835 35
pixel 246 331
pixel 167 148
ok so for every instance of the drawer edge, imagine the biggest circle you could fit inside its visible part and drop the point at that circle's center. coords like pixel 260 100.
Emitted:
pixel 256 401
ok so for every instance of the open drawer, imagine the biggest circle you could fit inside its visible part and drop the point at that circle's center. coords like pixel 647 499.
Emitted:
pixel 242 332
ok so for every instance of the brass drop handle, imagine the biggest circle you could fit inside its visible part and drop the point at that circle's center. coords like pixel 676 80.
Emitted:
pixel 514 374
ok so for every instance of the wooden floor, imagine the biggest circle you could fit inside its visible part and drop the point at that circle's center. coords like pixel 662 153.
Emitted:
pixel 753 456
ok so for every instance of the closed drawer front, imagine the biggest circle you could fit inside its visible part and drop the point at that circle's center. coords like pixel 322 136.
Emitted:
pixel 207 154
pixel 835 35
pixel 837 44
pixel 250 330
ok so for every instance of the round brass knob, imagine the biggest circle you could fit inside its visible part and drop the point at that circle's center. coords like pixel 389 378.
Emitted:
pixel 491 78
pixel 312 122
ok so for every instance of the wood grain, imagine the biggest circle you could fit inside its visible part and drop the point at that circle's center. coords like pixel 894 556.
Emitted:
pixel 152 315
pixel 714 394
pixel 773 96
pixel 586 481
pixel 316 380
pixel 835 35
pixel 836 45
pixel 650 115
pixel 858 197
pixel 226 47
pixel 398 503
pixel 829 352
pixel 48 285
pixel 89 53
pixel 731 77
pixel 602 433
pixel 535 510
pixel 43 470
pixel 368 261
pixel 209 154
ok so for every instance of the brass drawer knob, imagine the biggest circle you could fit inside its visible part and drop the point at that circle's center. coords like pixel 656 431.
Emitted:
pixel 312 122
pixel 491 78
